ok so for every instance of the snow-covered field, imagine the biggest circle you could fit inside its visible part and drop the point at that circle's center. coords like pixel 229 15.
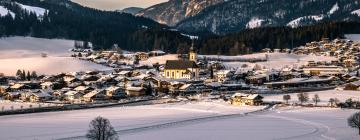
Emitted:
pixel 25 53
pixel 160 59
pixel 9 105
pixel 282 124
pixel 325 96
pixel 279 60
pixel 54 125
pixel 353 37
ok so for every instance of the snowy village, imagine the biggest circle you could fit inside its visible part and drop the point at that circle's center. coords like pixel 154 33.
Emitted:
pixel 175 70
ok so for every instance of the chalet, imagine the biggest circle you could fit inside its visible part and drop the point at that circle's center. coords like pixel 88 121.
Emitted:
pixel 12 95
pixel 47 85
pixel 135 91
pixel 39 96
pixel 222 75
pixel 83 89
pixel 97 94
pixel 187 88
pixel 142 56
pixel 18 86
pixel 180 69
pixel 157 53
pixel 352 86
pixel 73 96
pixel 256 79
pixel 3 89
pixel 115 92
pixel 246 99
pixel 350 62
pixel 70 79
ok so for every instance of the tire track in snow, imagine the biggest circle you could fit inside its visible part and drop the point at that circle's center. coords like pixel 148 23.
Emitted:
pixel 318 129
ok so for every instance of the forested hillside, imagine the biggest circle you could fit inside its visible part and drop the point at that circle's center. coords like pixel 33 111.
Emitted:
pixel 253 40
pixel 64 19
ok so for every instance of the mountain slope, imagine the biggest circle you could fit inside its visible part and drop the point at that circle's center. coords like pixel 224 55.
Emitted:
pixel 237 15
pixel 174 11
pixel 131 10
pixel 65 19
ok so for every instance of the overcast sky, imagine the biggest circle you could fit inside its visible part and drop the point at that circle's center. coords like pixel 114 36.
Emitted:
pixel 118 4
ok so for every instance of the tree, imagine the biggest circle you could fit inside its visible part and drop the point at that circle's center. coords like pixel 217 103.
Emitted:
pixel 211 72
pixel 333 101
pixel 34 75
pixel 316 99
pixel 28 77
pixel 18 73
pixel 354 121
pixel 23 75
pixel 286 98
pixel 101 129
pixel 303 97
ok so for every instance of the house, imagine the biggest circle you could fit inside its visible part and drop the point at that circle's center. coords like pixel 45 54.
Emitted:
pixel 47 85
pixel 142 56
pixel 324 70
pixel 187 88
pixel 3 80
pixel 97 94
pixel 352 86
pixel 181 69
pixel 115 92
pixel 73 95
pixel 3 89
pixel 18 86
pixel 135 91
pixel 350 62
pixel 12 95
pixel 222 75
pixel 246 99
pixel 83 89
pixel 157 53
pixel 256 79
pixel 39 96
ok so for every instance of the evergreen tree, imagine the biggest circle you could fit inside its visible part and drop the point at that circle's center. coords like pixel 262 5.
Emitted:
pixel 34 75
pixel 28 76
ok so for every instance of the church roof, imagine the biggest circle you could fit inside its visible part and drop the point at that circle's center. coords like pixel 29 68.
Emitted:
pixel 180 64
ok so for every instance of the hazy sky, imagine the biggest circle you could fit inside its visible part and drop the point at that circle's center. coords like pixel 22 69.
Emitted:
pixel 118 4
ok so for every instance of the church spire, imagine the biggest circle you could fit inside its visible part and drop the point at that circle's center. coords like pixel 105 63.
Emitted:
pixel 192 53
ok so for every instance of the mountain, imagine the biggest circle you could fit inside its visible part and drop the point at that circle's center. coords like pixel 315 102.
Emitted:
pixel 236 15
pixel 65 19
pixel 131 10
pixel 174 11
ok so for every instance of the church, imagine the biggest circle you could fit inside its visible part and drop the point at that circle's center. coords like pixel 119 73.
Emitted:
pixel 183 69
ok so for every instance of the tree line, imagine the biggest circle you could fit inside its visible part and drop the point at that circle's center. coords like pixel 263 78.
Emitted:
pixel 254 40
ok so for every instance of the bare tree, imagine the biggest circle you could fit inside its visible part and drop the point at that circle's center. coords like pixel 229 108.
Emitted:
pixel 316 99
pixel 303 97
pixel 333 101
pixel 101 129
pixel 286 98
pixel 354 121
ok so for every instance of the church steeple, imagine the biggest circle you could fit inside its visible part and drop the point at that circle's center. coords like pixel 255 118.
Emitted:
pixel 192 53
